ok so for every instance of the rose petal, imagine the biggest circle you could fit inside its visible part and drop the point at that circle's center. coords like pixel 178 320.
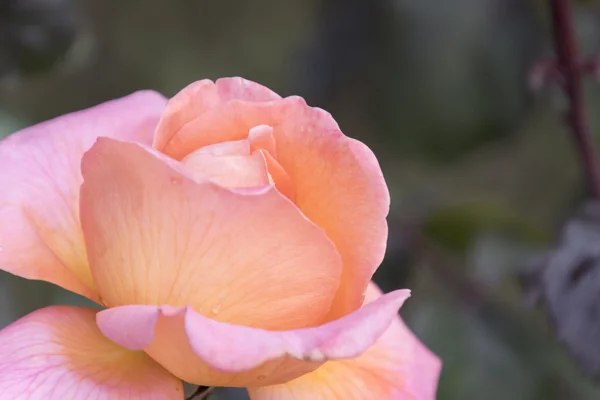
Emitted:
pixel 340 187
pixel 40 237
pixel 59 353
pixel 229 121
pixel 260 140
pixel 243 89
pixel 337 181
pixel 229 171
pixel 202 96
pixel 234 148
pixel 208 352
pixel 280 177
pixel 397 367
pixel 154 236
pixel 261 137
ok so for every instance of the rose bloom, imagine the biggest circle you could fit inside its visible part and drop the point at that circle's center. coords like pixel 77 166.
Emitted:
pixel 230 237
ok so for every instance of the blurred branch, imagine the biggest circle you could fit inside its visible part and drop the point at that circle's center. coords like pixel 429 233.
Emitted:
pixel 572 70
pixel 202 392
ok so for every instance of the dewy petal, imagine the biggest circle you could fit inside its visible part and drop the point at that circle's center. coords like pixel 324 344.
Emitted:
pixel 336 181
pixel 155 236
pixel 397 367
pixel 202 96
pixel 208 352
pixel 58 353
pixel 40 236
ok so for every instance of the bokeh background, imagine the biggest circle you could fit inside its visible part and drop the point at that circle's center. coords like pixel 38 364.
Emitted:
pixel 481 167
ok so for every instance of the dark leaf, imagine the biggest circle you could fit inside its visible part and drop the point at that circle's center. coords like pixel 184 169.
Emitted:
pixel 567 281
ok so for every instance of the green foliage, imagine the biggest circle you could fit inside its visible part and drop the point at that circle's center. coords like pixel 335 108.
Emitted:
pixel 454 227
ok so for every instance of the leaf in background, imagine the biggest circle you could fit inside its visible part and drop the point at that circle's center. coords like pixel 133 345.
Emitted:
pixel 567 280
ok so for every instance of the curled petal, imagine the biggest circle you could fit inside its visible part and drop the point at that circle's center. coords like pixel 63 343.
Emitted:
pixel 280 177
pixel 154 236
pixel 243 89
pixel 40 236
pixel 202 96
pixel 397 367
pixel 261 137
pixel 229 171
pixel 340 187
pixel 208 352
pixel 229 121
pixel 58 353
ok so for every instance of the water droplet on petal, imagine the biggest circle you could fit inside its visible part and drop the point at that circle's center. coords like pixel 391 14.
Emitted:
pixel 176 180
pixel 216 309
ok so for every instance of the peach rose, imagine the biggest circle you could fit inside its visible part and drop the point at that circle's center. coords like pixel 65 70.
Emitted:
pixel 230 236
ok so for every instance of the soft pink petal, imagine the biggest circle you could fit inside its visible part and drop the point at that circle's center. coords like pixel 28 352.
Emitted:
pixel 154 236
pixel 40 236
pixel 336 181
pixel 397 367
pixel 208 352
pixel 261 137
pixel 230 171
pixel 202 96
pixel 58 353
pixel 234 148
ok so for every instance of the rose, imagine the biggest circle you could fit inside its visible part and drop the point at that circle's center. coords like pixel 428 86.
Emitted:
pixel 231 236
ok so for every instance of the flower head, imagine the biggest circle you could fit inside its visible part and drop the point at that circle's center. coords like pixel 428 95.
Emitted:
pixel 231 236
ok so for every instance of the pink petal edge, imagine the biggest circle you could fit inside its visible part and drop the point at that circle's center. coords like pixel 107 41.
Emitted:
pixel 233 348
pixel 398 366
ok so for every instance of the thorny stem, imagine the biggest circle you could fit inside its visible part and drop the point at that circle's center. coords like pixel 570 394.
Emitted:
pixel 201 393
pixel 570 67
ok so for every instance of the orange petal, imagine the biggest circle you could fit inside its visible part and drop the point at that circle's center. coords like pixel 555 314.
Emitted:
pixel 58 353
pixel 340 187
pixel 336 181
pixel 156 237
pixel 281 179
pixel 200 97
pixel 397 367
pixel 40 236
pixel 230 121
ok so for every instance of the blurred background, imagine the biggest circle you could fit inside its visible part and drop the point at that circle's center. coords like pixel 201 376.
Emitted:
pixel 481 167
